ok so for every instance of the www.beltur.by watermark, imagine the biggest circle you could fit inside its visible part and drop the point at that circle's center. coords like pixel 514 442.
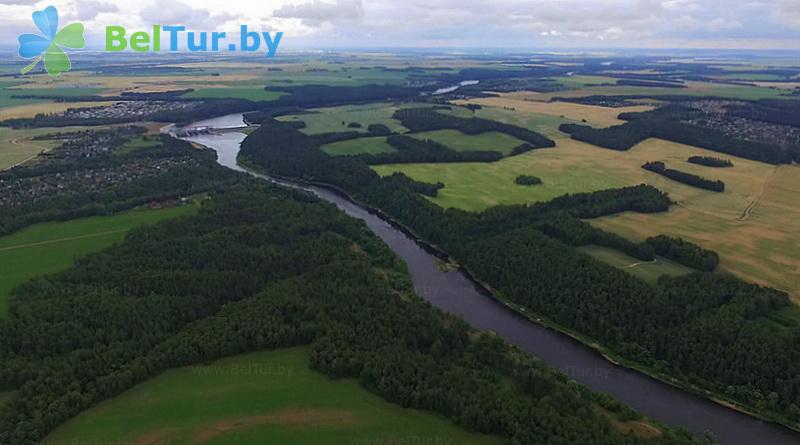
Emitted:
pixel 49 45
pixel 244 369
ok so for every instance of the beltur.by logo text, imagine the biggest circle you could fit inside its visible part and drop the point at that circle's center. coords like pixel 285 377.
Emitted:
pixel 249 41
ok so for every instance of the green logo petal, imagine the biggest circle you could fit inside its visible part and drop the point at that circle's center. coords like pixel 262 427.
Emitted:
pixel 55 60
pixel 70 36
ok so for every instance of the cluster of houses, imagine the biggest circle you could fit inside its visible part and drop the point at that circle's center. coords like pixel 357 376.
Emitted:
pixel 86 144
pixel 18 191
pixel 130 110
pixel 716 117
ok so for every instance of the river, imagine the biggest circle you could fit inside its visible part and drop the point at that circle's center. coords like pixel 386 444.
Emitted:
pixel 453 292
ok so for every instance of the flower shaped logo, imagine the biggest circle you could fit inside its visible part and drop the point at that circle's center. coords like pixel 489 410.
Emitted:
pixel 48 47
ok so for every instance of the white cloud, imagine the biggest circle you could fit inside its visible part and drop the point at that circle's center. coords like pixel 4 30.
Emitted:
pixel 89 9
pixel 316 13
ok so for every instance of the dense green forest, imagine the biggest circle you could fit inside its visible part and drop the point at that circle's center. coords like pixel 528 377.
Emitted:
pixel 684 252
pixel 524 252
pixel 291 271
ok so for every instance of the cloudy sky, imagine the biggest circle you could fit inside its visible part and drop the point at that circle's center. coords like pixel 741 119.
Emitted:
pixel 529 24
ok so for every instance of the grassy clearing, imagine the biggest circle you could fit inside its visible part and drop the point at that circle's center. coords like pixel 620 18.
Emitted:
pixel 529 103
pixel 649 272
pixel 265 397
pixel 754 225
pixel 335 119
pixel 458 141
pixel 577 82
pixel 371 145
pixel 17 146
pixel 546 124
pixel 477 186
pixel 32 109
pixel 136 144
pixel 51 247
pixel 254 94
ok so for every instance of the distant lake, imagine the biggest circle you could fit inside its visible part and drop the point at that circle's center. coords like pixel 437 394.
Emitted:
pixel 455 87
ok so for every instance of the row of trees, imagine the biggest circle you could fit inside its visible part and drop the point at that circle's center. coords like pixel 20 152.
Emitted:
pixel 685 252
pixel 710 161
pixel 683 177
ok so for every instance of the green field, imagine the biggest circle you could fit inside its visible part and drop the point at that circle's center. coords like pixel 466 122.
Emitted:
pixel 568 168
pixel 136 144
pixel 52 247
pixel 541 123
pixel 647 271
pixel 7 90
pixel 358 146
pixel 254 94
pixel 261 398
pixel 458 141
pixel 335 119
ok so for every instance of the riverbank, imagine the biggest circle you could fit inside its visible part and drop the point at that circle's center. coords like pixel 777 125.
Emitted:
pixel 656 395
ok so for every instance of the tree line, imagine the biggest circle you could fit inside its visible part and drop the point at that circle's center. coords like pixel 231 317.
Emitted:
pixel 683 177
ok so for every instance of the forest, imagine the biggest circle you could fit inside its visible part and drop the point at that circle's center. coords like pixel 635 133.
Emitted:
pixel 288 275
pixel 526 254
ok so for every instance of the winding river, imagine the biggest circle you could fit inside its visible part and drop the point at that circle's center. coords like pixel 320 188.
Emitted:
pixel 455 293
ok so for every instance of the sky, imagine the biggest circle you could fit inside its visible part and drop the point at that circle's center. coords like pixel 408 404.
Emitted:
pixel 523 24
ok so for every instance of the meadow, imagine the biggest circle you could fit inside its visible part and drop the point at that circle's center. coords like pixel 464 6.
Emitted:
pixel 648 271
pixel 253 93
pixel 754 225
pixel 264 397
pixel 336 119
pixel 458 141
pixel 371 145
pixel 546 123
pixel 17 146
pixel 51 247
pixel 527 102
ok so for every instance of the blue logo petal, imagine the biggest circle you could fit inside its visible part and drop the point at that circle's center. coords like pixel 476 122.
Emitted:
pixel 47 21
pixel 32 45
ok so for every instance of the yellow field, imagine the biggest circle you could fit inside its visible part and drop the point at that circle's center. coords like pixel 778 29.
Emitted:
pixel 531 103
pixel 780 85
pixel 114 85
pixel 17 147
pixel 759 242
pixel 31 110
pixel 754 225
